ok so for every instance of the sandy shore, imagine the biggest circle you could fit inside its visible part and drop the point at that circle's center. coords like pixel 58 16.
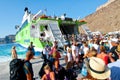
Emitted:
pixel 37 63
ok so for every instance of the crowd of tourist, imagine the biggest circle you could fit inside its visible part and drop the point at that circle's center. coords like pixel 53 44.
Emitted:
pixel 96 58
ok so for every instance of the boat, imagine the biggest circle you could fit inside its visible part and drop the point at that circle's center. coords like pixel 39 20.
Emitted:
pixel 42 29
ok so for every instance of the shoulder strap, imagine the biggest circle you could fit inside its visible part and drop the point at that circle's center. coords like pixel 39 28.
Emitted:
pixel 26 68
pixel 48 76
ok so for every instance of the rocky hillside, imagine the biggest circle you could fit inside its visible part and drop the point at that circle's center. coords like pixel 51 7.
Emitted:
pixel 105 19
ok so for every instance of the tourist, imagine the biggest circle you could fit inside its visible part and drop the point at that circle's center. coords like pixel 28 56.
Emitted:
pixel 55 43
pixel 74 52
pixel 49 75
pixel 96 45
pixel 46 51
pixel 28 66
pixel 107 46
pixel 115 66
pixel 82 51
pixel 59 71
pixel 103 55
pixel 97 70
pixel 54 53
pixel 77 55
pixel 90 43
pixel 70 73
pixel 113 55
pixel 31 48
pixel 14 53
pixel 69 55
pixel 85 49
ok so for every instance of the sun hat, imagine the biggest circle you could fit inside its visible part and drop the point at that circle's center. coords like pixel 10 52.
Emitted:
pixel 114 40
pixel 104 41
pixel 97 68
pixel 118 49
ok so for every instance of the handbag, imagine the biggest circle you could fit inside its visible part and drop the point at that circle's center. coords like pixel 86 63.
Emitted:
pixel 84 70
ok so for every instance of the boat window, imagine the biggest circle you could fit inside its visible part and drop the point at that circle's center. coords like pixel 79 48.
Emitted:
pixel 46 27
pixel 68 29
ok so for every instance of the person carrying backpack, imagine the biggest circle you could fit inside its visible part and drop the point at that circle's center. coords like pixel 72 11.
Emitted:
pixel 22 69
pixel 28 66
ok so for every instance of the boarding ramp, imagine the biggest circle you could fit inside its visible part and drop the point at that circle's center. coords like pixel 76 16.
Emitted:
pixel 87 30
pixel 56 33
pixel 53 33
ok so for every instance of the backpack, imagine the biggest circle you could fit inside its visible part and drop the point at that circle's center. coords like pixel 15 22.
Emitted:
pixel 16 70
pixel 84 71
pixel 71 74
pixel 45 62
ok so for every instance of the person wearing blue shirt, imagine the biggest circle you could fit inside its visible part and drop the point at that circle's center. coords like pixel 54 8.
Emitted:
pixel 31 48
pixel 115 66
pixel 28 66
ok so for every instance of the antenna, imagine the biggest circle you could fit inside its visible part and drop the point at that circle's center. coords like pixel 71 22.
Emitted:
pixel 78 18
pixel 37 14
pixel 45 10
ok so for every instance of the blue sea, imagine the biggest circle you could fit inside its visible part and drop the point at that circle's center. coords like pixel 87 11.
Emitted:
pixel 5 51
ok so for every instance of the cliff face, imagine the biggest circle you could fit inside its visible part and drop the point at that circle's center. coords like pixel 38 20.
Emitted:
pixel 105 19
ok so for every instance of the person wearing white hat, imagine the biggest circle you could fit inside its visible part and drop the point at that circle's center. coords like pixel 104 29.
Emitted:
pixel 113 55
pixel 97 70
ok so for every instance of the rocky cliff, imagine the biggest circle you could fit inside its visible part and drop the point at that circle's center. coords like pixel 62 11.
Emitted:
pixel 106 18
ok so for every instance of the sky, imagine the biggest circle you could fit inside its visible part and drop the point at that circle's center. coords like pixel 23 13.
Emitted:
pixel 12 11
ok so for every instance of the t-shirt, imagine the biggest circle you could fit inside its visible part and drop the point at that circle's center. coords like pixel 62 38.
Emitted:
pixel 90 45
pixel 69 57
pixel 109 42
pixel 115 70
pixel 114 54
pixel 67 49
pixel 31 48
pixel 96 46
pixel 73 49
pixel 77 51
pixel 28 68
pixel 85 50
pixel 60 74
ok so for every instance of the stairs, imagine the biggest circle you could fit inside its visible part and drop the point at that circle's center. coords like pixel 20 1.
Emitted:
pixel 86 29
pixel 56 34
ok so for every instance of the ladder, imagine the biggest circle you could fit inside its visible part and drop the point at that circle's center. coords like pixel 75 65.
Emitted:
pixel 56 34
pixel 87 30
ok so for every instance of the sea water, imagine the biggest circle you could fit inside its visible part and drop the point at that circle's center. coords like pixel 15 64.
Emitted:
pixel 5 51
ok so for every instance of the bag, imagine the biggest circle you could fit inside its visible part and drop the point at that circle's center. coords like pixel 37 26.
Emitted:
pixel 54 55
pixel 71 74
pixel 84 70
pixel 47 62
pixel 16 70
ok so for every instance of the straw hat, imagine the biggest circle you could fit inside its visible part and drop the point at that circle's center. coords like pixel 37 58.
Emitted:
pixel 97 68
pixel 114 40
pixel 118 49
